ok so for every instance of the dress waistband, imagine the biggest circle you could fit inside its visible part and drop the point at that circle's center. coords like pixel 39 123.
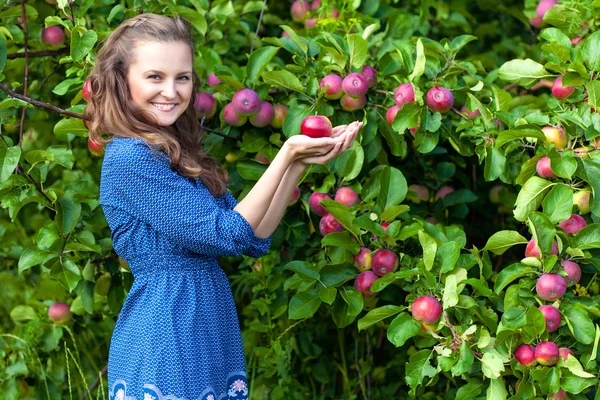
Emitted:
pixel 156 263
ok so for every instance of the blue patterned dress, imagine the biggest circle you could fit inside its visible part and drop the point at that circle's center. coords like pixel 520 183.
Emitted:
pixel 177 336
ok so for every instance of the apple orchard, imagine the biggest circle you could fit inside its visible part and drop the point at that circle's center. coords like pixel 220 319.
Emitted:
pixel 452 253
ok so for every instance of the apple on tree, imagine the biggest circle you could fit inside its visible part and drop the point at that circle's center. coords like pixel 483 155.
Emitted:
pixel 346 196
pixel 559 91
pixel 355 84
pixel 556 135
pixel 264 116
pixel 59 312
pixel 299 10
pixel 550 287
pixel 279 113
pixel 546 353
pixel 329 224
pixel 573 272
pixel 574 224
pixel 314 203
pixel 96 149
pixel 564 353
pixel 560 395
pixel 439 99
pixel 205 105
pixel 364 281
pixel 245 102
pixel 212 80
pixel 552 317
pixel 443 192
pixel 295 196
pixel 53 36
pixel 427 309
pixel 350 103
pixel 333 82
pixel 231 117
pixel 384 225
pixel 384 261
pixel 544 169
pixel 532 249
pixel 404 93
pixel 370 75
pixel 543 7
pixel 86 90
pixel 417 193
pixel 525 355
pixel 362 260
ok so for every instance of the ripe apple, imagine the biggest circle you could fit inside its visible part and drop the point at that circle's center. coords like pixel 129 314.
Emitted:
pixel 315 5
pixel 576 40
pixel 212 80
pixel 245 102
pixel 59 312
pixel 350 103
pixel 427 309
pixel 364 281
pixel 384 225
pixel 573 272
pixel 532 249
pixel 231 117
pixel 544 169
pixel 552 317
pixel 581 199
pixel 370 75
pixel 560 395
pixel 443 192
pixel 439 99
pixel 334 83
pixel 525 354
pixel 346 196
pixel 95 148
pixel 53 35
pixel 329 224
pixel 546 353
pixel 355 84
pixel 316 126
pixel 205 105
pixel 264 116
pixel 550 287
pixel 362 260
pixel 537 22
pixel 314 200
pixel 299 10
pixel 573 225
pixel 404 93
pixel 469 114
pixel 421 193
pixel 564 353
pixel 295 196
pixel 279 113
pixel 310 23
pixel 261 158
pixel 86 90
pixel 559 91
pixel 390 114
pixel 384 261
pixel 556 135
pixel 543 6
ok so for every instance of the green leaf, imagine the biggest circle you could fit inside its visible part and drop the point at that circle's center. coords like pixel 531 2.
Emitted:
pixel 68 211
pixel 294 36
pixel 502 99
pixel 420 63
pixel 284 79
pixel 543 231
pixel 590 50
pixel 530 197
pixel 350 163
pixel 407 117
pixel 22 314
pixel 71 125
pixel 34 256
pixel 509 274
pixel 358 50
pixel 485 113
pixel 259 59
pixel 593 90
pixel 448 255
pixel 592 170
pixel 402 328
pixel 328 295
pixel 3 54
pixel 115 11
pixel 294 118
pixel 522 72
pixel 563 164
pixel 64 86
pixel 510 135
pixel 304 304
pixel 588 238
pixel 464 362
pixel 418 368
pixel 514 318
pixel 501 241
pixel 495 163
pixel 304 270
pixel 341 239
pixel 558 203
pixel 469 391
pixel 393 188
pixel 9 159
pixel 496 390
pixel 354 299
pixel 450 298
pixel 461 41
pixel 193 17
pixel 250 170
pixel 378 314
pixel 342 214
pixel 429 249
pixel 492 364
pixel 82 42
pixel 67 273
pixel 581 325
pixel 553 34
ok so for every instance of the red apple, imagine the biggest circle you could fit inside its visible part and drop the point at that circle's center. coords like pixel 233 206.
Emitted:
pixel 346 196
pixel 384 225
pixel 421 193
pixel 564 353
pixel 427 309
pixel 537 22
pixel 53 35
pixel 443 192
pixel 350 103
pixel 544 169
pixel 532 249
pixel 364 281
pixel 59 312
pixel 329 224
pixel 559 91
pixel 231 117
pixel 362 260
pixel 581 199
pixel 469 114
pixel 525 354
pixel 86 90
pixel 573 225
pixel 552 317
pixel 95 148
pixel 384 261
pixel 560 395
pixel 391 114
pixel 299 10
pixel 245 102
pixel 573 272
pixel 264 116
pixel 334 90
pixel 212 80
pixel 543 6
pixel 314 200
pixel 556 135
pixel 316 126
pixel 546 353
pixel 576 40
pixel 279 113
pixel 261 158
pixel 295 196
pixel 370 74
pixel 355 84
pixel 315 5
pixel 310 23
pixel 550 287
pixel 205 105
pixel 404 93
pixel 440 99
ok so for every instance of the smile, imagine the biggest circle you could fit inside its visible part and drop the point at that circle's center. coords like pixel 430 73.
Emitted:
pixel 164 107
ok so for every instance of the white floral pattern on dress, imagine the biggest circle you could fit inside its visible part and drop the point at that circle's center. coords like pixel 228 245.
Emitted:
pixel 210 397
pixel 238 386
pixel 148 396
pixel 120 394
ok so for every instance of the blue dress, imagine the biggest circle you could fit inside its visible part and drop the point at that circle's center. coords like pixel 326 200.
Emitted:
pixel 177 336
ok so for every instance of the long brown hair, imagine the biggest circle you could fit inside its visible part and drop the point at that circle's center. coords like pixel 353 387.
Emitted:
pixel 112 113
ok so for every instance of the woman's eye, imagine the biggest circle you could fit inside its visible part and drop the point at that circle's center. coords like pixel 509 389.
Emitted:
pixel 153 76
pixel 187 78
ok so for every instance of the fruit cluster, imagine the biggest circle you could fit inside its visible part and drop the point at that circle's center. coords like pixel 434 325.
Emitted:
pixel 350 90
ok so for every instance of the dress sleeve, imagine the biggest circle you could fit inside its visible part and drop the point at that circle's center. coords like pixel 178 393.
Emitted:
pixel 258 246
pixel 141 182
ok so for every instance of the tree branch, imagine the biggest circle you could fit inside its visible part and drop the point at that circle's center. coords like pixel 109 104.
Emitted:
pixel 41 53
pixel 258 25
pixel 36 103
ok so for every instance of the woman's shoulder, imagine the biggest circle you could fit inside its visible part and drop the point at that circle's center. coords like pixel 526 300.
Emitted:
pixel 132 148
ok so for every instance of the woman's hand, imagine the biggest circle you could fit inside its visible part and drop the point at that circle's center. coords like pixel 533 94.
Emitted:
pixel 301 146
pixel 343 136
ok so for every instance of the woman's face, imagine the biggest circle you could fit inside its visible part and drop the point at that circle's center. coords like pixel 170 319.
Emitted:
pixel 160 79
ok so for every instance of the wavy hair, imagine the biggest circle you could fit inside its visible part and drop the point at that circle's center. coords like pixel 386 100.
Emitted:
pixel 112 113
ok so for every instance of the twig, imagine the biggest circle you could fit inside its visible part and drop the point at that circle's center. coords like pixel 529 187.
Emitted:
pixel 258 26
pixel 26 81
pixel 461 114
pixel 41 53
pixel 49 75
pixel 36 103
pixel 97 382
pixel 219 133
pixel 71 17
